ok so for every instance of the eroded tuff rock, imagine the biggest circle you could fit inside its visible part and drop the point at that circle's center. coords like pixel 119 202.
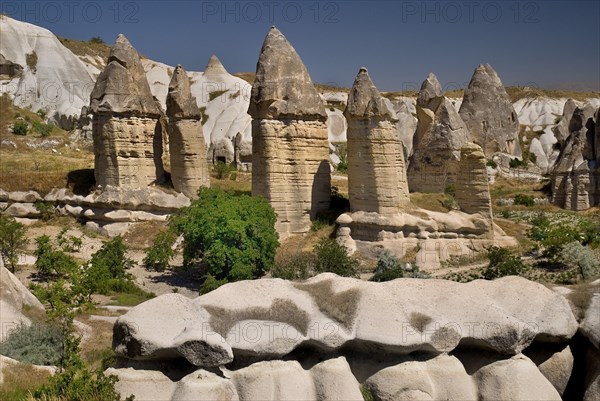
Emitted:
pixel 330 312
pixel 489 114
pixel 290 150
pixel 126 130
pixel 187 150
pixel 561 130
pixel 437 141
pixel 472 186
pixel 576 174
pixel 376 170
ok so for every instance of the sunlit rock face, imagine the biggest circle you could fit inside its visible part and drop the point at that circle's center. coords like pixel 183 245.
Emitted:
pixel 290 150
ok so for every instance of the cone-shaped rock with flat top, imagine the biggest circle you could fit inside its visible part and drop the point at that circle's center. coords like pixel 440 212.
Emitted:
pixel 440 135
pixel 376 170
pixel 290 149
pixel 489 114
pixel 126 130
pixel 189 170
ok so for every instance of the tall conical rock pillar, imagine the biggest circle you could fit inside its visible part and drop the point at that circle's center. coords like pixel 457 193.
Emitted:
pixel 290 150
pixel 472 185
pixel 125 128
pixel 489 114
pixel 376 169
pixel 440 135
pixel 187 150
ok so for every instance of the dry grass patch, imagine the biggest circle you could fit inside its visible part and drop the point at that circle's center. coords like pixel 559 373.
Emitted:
pixel 433 202
pixel 19 379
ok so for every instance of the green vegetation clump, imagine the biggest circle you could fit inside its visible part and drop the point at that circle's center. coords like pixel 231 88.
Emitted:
pixel 222 170
pixel 295 266
pixel 342 150
pixel 51 262
pixel 20 128
pixel 390 268
pixel 38 344
pixel 492 164
pixel 524 200
pixel 43 129
pixel 502 262
pixel 46 209
pixel 161 252
pixel 581 257
pixel 31 59
pixel 231 237
pixel 213 95
pixel 13 239
pixel 96 40
pixel 333 258
pixel 516 163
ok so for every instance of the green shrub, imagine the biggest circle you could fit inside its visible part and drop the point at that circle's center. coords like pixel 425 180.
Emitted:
pixel 295 266
pixel 51 262
pixel 222 170
pixel 502 262
pixel 31 59
pixel 233 236
pixel 96 40
pixel 161 252
pixel 388 267
pixel 524 200
pixel 516 163
pixel 215 94
pixel 492 164
pixel 20 128
pixel 107 270
pixel 38 344
pixel 580 256
pixel 342 150
pixel 450 190
pixel 43 129
pixel 448 202
pixel 68 243
pixel 46 209
pixel 13 239
pixel 211 283
pixel 42 113
pixel 333 257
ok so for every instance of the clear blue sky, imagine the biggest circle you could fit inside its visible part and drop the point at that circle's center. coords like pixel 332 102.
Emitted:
pixel 538 43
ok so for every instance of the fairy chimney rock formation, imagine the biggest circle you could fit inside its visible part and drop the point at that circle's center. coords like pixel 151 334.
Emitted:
pixel 290 149
pixel 561 130
pixel 489 114
pixel 472 186
pixel 576 174
pixel 440 135
pixel 125 128
pixel 376 169
pixel 187 150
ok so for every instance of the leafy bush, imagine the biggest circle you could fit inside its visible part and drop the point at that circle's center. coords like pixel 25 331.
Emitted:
pixel 222 170
pixel 233 236
pixel 502 262
pixel 388 267
pixel 581 257
pixel 342 150
pixel 42 113
pixel 68 243
pixel 51 262
pixel 47 210
pixel 96 40
pixel 524 200
pixel 38 344
pixel 492 164
pixel 295 266
pixel 448 202
pixel 107 270
pixel 211 283
pixel 516 163
pixel 20 128
pixel 43 129
pixel 161 252
pixel 31 59
pixel 333 257
pixel 12 240
pixel 450 190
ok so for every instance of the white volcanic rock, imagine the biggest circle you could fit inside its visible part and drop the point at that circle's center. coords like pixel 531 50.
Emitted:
pixel 13 297
pixel 590 326
pixel 554 363
pixel 540 111
pixel 271 317
pixel 58 82
pixel 537 149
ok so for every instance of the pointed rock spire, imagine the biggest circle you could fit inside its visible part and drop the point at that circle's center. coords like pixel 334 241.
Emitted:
pixel 365 101
pixel 430 89
pixel 214 67
pixel 283 88
pixel 489 114
pixel 122 87
pixel 180 102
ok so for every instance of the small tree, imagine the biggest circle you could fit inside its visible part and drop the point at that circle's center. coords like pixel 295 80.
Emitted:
pixel 12 240
pixel 502 263
pixel 51 262
pixel 333 257
pixel 161 252
pixel 233 236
